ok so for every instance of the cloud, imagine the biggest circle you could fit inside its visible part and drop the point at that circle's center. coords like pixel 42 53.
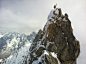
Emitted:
pixel 32 15
pixel 18 14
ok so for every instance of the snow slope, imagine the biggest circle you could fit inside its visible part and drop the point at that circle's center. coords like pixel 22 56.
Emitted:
pixel 20 56
pixel 1 35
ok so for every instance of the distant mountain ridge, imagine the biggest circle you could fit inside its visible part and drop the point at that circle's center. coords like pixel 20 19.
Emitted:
pixel 12 41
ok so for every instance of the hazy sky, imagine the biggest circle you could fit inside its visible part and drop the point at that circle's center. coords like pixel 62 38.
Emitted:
pixel 31 15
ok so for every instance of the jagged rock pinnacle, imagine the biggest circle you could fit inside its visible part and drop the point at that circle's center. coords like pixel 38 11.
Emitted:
pixel 56 44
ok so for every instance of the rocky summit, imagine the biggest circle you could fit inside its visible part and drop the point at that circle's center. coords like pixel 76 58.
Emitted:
pixel 56 44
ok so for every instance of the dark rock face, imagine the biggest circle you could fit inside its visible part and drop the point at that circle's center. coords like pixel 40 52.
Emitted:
pixel 57 36
pixel 35 40
pixel 37 36
pixel 50 60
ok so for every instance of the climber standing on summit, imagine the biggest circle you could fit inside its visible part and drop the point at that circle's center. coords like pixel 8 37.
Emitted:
pixel 55 6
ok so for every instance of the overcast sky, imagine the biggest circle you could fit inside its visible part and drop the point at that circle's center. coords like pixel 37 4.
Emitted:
pixel 31 15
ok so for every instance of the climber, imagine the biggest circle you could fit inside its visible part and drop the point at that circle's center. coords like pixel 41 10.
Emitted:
pixel 55 6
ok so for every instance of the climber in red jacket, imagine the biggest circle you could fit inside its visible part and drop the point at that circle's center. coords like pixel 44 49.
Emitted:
pixel 55 6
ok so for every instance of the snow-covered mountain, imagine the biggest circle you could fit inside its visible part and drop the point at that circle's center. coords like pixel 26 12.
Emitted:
pixel 56 44
pixel 19 57
pixel 22 55
pixel 13 41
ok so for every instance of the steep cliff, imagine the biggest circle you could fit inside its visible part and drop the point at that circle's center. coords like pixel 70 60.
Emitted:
pixel 56 44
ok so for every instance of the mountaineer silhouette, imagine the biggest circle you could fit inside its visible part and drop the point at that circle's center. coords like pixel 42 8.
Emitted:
pixel 55 6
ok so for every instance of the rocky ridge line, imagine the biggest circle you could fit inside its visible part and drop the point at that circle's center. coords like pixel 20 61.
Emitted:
pixel 56 44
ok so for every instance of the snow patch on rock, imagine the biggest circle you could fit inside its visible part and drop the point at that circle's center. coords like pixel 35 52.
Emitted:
pixel 55 56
